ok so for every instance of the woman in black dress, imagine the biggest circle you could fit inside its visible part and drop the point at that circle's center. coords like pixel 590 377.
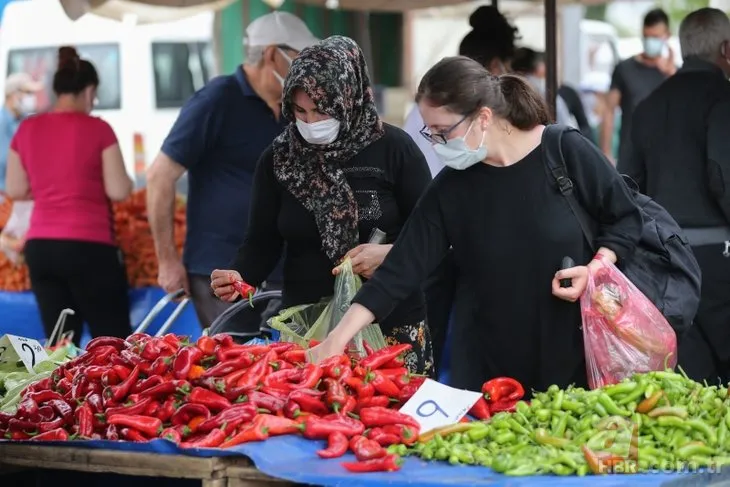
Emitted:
pixel 509 228
pixel 335 174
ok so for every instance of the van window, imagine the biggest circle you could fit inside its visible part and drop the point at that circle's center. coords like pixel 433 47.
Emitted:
pixel 41 63
pixel 181 69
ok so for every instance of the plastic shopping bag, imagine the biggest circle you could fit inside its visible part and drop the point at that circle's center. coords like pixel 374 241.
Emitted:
pixel 300 324
pixel 12 238
pixel 623 332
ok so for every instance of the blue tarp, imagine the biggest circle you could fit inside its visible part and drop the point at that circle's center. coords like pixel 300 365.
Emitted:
pixel 19 314
pixel 294 459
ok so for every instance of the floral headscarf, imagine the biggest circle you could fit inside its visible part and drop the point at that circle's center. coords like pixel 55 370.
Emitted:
pixel 334 75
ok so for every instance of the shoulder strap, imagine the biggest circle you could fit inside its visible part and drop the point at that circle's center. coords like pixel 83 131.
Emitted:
pixel 552 155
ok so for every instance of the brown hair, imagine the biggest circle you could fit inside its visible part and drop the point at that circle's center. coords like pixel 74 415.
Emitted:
pixel 73 74
pixel 463 86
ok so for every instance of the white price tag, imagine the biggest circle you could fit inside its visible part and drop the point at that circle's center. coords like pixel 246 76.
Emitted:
pixel 14 348
pixel 435 405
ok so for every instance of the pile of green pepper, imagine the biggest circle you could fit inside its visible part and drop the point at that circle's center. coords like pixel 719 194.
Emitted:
pixel 658 420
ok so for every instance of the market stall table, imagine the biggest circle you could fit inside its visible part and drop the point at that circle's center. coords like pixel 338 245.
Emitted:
pixel 213 471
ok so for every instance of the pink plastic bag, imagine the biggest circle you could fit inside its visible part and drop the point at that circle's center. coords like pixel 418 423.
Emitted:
pixel 623 332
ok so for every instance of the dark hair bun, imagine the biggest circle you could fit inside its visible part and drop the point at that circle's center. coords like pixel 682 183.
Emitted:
pixel 485 17
pixel 68 57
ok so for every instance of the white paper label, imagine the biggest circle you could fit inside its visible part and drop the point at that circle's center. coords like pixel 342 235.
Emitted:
pixel 435 405
pixel 14 348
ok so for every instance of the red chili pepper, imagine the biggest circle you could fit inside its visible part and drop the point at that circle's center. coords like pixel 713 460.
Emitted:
pixel 504 405
pixel 254 431
pixel 402 380
pixel 349 406
pixel 389 463
pixel 41 397
pixel 102 355
pixel 171 434
pixel 174 341
pixel 410 389
pixel 63 409
pixel 50 425
pixel 110 378
pixel 362 389
pixel 63 386
pixel 295 356
pixel 152 409
pixel 368 349
pixel 255 374
pixel 146 384
pixel 284 379
pixel 375 401
pixel 383 356
pixel 16 424
pixel 224 340
pixel 480 409
pixel 45 413
pixel 245 290
pixel 407 434
pixel 309 402
pixel 119 392
pixel 131 434
pixel 85 419
pixel 58 434
pixel 315 428
pixel 118 343
pixel 277 393
pixel 144 424
pixel 41 385
pixel 4 419
pixel 311 375
pixel 122 371
pixel 184 361
pixel 230 353
pixel 384 386
pixel 382 438
pixel 186 412
pixel 94 372
pixel 224 368
pixel 230 379
pixel 138 407
pixel 167 388
pixel 503 388
pixel 379 416
pixel 396 363
pixel 235 394
pixel 231 418
pixel 132 357
pixel 209 399
pixel 161 366
pixel 394 374
pixel 206 345
pixel 94 400
pixel 365 449
pixel 292 410
pixel 335 394
pixel 265 401
pixel 337 446
pixel 212 440
pixel 167 410
pixel 279 425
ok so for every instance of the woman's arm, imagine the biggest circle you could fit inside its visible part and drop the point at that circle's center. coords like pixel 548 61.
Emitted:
pixel 604 195
pixel 17 185
pixel 262 246
pixel 117 183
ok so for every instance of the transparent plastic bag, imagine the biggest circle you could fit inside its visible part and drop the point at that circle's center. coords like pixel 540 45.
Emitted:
pixel 12 238
pixel 300 324
pixel 623 332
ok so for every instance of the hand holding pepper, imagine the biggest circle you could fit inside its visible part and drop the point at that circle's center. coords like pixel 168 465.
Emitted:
pixel 222 282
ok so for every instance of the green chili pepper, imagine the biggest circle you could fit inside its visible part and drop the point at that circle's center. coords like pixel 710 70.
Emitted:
pixel 543 415
pixel 620 388
pixel 523 470
pixel 476 434
pixel 598 407
pixel 442 454
pixel 504 437
pixel 558 402
pixel 559 429
pixel 703 428
pixel 454 460
pixel 722 431
pixel 678 411
pixel 517 427
pixel 573 406
pixel 650 390
pixel 633 395
pixel 692 449
pixel 610 406
pixel 672 422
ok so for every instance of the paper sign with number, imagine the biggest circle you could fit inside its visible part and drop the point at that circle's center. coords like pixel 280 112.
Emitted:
pixel 14 348
pixel 435 405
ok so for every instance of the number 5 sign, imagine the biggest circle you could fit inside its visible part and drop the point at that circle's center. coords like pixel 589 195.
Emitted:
pixel 435 405
pixel 14 348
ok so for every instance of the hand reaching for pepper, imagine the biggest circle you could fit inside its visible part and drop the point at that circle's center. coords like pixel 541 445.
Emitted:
pixel 366 258
pixel 221 282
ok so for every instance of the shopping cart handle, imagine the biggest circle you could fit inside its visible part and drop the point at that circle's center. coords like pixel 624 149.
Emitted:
pixel 157 309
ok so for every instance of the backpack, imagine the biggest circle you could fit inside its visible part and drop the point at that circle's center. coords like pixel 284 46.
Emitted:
pixel 663 266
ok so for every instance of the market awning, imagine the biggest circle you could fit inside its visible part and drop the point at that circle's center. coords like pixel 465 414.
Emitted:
pixel 145 11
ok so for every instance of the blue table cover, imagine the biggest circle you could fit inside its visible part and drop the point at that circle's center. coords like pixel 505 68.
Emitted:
pixel 19 314
pixel 295 459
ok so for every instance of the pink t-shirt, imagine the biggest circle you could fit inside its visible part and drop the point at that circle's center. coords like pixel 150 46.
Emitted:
pixel 61 153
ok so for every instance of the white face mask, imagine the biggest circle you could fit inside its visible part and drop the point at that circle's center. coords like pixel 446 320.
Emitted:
pixel 319 133
pixel 28 104
pixel 653 46
pixel 457 155
pixel 289 60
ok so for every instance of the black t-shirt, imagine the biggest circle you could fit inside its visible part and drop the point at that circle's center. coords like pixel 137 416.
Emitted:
pixel 387 177
pixel 510 229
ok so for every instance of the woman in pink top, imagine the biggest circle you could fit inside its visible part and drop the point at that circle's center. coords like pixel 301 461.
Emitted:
pixel 70 165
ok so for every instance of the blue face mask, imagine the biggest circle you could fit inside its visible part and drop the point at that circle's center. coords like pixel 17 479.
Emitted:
pixel 457 155
pixel 653 46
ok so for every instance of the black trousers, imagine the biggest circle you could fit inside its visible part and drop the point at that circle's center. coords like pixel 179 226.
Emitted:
pixel 439 290
pixel 86 277
pixel 704 350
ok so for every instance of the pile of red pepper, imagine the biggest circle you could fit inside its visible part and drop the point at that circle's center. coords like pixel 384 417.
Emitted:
pixel 500 394
pixel 215 393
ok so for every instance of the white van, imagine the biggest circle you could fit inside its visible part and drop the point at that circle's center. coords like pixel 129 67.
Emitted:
pixel 147 71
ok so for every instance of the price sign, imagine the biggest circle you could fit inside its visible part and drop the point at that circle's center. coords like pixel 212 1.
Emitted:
pixel 435 405
pixel 14 348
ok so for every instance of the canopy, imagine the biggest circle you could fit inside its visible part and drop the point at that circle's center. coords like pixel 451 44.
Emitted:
pixel 144 11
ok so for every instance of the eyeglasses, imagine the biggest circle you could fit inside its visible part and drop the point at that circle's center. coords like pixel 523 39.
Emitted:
pixel 441 137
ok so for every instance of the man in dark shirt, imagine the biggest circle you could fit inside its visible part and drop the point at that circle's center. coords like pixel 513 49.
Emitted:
pixel 681 158
pixel 218 137
pixel 635 78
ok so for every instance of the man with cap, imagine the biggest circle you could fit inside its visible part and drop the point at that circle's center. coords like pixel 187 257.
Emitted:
pixel 20 90
pixel 218 137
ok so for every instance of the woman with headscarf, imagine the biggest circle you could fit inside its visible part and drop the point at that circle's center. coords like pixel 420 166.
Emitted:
pixel 335 174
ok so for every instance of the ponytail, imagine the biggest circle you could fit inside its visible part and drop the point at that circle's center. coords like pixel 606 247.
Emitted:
pixel 524 107
pixel 73 74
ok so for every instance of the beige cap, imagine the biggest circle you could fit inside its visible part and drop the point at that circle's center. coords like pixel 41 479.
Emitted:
pixel 279 28
pixel 21 82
